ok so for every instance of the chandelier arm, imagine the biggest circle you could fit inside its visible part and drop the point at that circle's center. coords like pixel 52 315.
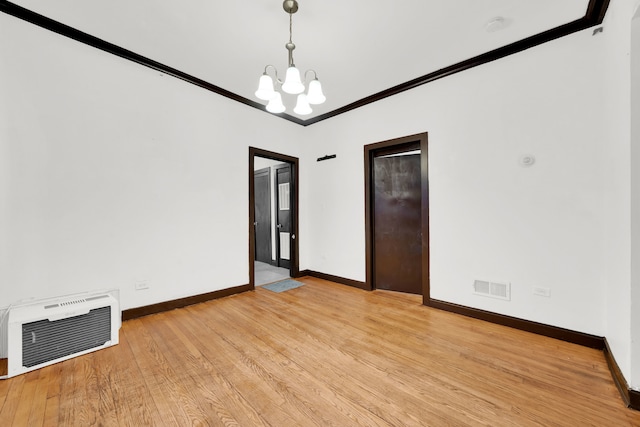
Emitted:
pixel 275 71
pixel 315 74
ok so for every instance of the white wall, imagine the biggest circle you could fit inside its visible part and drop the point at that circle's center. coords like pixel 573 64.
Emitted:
pixel 113 173
pixel 622 187
pixel 617 179
pixel 635 199
pixel 490 218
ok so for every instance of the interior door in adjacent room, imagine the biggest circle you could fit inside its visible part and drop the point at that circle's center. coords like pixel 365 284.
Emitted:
pixel 262 223
pixel 283 214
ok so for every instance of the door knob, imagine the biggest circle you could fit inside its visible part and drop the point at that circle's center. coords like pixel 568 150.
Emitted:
pixel 279 225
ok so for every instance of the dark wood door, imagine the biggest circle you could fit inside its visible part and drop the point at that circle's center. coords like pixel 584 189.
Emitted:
pixel 262 224
pixel 283 214
pixel 397 238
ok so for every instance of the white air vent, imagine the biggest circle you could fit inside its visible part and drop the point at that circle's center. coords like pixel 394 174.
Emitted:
pixel 492 289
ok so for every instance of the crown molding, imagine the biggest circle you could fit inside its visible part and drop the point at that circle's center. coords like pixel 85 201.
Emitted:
pixel 594 15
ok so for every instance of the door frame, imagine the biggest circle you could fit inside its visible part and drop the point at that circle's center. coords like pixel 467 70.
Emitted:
pixel 294 247
pixel 369 153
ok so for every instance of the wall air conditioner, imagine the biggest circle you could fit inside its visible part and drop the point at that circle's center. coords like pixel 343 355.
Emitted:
pixel 45 332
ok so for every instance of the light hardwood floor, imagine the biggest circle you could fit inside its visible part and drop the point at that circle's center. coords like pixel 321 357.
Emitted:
pixel 323 354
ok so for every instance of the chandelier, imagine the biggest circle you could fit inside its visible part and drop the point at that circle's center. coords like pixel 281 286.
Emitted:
pixel 292 83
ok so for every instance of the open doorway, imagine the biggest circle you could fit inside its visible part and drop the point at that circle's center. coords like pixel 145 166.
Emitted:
pixel 273 217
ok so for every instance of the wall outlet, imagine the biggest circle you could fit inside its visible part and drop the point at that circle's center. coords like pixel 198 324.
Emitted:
pixel 139 286
pixel 542 292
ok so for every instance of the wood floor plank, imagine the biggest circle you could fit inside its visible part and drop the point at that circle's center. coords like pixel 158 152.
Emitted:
pixel 11 401
pixel 300 346
pixel 240 384
pixel 204 405
pixel 384 390
pixel 84 401
pixel 309 396
pixel 52 397
pixel 68 389
pixel 106 378
pixel 4 390
pixel 506 395
pixel 37 408
pixel 222 399
pixel 27 398
pixel 260 395
pixel 326 355
pixel 145 354
pixel 133 400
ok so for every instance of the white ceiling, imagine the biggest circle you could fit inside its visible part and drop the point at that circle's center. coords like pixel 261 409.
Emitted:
pixel 358 47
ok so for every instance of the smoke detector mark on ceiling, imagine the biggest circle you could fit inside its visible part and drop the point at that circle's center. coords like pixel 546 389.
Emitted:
pixel 496 24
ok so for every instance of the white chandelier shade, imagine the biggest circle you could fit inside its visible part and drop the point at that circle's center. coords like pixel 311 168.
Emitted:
pixel 302 106
pixel 265 88
pixel 315 95
pixel 293 83
pixel 275 104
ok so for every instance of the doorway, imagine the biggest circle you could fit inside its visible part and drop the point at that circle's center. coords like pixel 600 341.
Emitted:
pixel 273 217
pixel 397 215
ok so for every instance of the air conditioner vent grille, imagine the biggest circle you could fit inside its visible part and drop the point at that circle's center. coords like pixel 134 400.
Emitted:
pixel 46 340
pixel 78 301
pixel 74 302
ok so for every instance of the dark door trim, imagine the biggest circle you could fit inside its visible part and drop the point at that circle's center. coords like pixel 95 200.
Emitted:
pixel 369 153
pixel 293 161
